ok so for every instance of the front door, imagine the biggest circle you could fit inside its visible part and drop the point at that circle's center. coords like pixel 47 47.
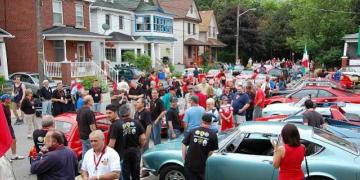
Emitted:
pixel 81 52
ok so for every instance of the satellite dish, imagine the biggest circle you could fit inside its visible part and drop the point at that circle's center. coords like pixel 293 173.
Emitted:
pixel 105 27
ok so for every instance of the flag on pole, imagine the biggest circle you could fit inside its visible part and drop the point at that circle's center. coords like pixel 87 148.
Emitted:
pixel 358 45
pixel 5 136
pixel 305 60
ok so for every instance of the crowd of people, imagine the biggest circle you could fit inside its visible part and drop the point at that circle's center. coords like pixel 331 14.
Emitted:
pixel 192 107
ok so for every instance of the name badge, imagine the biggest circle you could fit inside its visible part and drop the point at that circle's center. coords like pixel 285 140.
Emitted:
pixel 96 95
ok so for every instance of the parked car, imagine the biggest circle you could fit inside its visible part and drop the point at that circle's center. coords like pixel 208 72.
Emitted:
pixel 68 125
pixel 212 73
pixel 237 70
pixel 248 149
pixel 319 94
pixel 30 80
pixel 246 74
pixel 345 80
pixel 128 72
pixel 190 74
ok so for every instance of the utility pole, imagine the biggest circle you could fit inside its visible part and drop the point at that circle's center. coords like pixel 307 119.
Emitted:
pixel 237 33
pixel 39 39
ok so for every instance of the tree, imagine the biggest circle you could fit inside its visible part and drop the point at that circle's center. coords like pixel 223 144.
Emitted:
pixel 143 62
pixel 250 40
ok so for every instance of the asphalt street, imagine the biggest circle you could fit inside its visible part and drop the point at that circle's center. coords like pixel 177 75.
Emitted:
pixel 21 168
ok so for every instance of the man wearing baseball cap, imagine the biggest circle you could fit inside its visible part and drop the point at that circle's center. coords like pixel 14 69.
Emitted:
pixel 197 146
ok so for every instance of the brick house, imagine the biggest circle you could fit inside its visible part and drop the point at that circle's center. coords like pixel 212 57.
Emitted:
pixel 66 34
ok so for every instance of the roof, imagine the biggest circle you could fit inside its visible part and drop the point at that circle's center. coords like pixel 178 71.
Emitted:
pixel 158 38
pixel 148 7
pixel 116 36
pixel 194 42
pixel 65 31
pixel 179 8
pixel 127 5
pixel 4 33
pixel 206 19
pixel 215 43
pixel 351 36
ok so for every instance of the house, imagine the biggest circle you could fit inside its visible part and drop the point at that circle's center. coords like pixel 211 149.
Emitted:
pixel 3 56
pixel 139 26
pixel 208 33
pixel 187 21
pixel 66 37
pixel 350 57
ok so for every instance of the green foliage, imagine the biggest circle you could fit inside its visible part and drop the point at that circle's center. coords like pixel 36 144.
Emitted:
pixel 143 62
pixel 88 81
pixel 205 58
pixel 172 68
pixel 177 75
pixel 129 56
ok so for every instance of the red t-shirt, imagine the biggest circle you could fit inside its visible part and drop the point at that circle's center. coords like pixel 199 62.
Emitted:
pixel 260 96
pixel 202 99
pixel 290 166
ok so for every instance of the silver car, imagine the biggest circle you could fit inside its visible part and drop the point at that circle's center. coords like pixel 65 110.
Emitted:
pixel 30 80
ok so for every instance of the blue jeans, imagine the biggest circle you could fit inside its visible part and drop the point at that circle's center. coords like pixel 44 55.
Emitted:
pixel 85 146
pixel 46 107
pixel 176 131
pixel 155 133
pixel 97 107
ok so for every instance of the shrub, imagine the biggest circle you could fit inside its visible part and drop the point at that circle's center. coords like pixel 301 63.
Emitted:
pixel 87 83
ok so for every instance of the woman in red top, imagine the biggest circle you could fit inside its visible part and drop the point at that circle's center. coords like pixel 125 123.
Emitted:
pixel 226 114
pixel 290 155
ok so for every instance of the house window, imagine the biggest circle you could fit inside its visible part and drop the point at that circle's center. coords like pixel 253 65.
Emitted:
pixel 189 28
pixel 163 24
pixel 121 22
pixel 79 15
pixel 110 54
pixel 214 32
pixel 189 52
pixel 191 9
pixel 59 51
pixel 143 23
pixel 209 31
pixel 194 29
pixel 57 12
pixel 107 19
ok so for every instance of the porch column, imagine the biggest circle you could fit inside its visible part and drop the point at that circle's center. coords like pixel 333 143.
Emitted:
pixel 159 53
pixel 153 55
pixel 65 55
pixel 173 54
pixel 345 48
pixel 210 55
pixel 3 57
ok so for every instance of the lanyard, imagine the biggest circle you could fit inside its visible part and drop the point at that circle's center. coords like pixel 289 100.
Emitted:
pixel 98 162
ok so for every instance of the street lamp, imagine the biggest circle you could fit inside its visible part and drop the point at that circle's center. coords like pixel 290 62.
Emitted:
pixel 237 28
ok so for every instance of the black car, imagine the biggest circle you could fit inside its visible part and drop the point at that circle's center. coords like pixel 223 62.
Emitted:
pixel 127 72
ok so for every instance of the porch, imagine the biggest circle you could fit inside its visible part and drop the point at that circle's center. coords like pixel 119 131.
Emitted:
pixel 3 55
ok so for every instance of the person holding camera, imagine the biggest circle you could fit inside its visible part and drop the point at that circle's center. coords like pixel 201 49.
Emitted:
pixel 55 161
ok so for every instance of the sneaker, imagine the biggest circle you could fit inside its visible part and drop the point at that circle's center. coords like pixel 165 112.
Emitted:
pixel 16 157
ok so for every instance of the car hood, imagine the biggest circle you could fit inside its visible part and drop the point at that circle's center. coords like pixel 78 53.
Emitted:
pixel 171 145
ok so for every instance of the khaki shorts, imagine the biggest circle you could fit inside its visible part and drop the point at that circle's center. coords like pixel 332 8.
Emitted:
pixel 239 119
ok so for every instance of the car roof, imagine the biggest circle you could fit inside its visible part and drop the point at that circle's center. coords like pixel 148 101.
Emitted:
pixel 71 117
pixel 269 127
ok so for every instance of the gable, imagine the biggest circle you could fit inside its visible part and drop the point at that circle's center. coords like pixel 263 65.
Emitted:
pixel 193 12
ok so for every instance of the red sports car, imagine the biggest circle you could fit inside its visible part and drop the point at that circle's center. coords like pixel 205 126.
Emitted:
pixel 67 124
pixel 319 94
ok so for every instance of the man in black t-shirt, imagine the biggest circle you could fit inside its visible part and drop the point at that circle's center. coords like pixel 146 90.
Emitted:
pixel 144 117
pixel 59 100
pixel 95 93
pixel 311 117
pixel 172 119
pixel 157 109
pixel 86 122
pixel 115 131
pixel 201 143
pixel 133 141
pixel 135 93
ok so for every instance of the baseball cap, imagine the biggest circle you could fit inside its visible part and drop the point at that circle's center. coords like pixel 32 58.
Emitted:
pixel 5 97
pixel 207 117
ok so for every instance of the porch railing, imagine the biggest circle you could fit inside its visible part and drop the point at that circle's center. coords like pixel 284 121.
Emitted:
pixel 52 69
pixel 111 72
pixel 84 69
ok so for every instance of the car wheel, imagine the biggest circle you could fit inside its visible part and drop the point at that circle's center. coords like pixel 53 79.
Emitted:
pixel 318 178
pixel 172 172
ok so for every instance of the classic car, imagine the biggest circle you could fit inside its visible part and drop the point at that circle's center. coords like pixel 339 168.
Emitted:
pixel 190 74
pixel 248 149
pixel 212 73
pixel 246 74
pixel 67 124
pixel 319 94
pixel 345 80
pixel 290 108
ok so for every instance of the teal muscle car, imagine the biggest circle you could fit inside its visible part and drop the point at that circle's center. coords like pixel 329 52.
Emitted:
pixel 246 153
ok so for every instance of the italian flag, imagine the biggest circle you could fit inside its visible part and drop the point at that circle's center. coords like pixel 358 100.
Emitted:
pixel 305 59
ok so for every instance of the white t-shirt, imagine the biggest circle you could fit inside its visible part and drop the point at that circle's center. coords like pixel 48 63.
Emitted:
pixel 109 162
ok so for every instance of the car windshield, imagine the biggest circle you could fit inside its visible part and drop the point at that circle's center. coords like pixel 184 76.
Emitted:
pixel 348 146
pixel 136 72
pixel 301 102
pixel 224 134
pixel 63 126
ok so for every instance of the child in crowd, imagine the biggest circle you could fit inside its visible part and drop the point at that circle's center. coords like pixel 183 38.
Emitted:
pixel 226 114
pixel 28 107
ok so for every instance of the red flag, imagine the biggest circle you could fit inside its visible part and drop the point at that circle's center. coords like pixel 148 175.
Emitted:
pixel 5 136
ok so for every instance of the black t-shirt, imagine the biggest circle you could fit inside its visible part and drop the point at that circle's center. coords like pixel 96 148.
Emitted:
pixel 144 117
pixel 85 117
pixel 46 93
pixel 173 116
pixel 313 118
pixel 95 92
pixel 116 132
pixel 27 106
pixel 156 108
pixel 38 138
pixel 136 92
pixel 200 141
pixel 58 94
pixel 131 132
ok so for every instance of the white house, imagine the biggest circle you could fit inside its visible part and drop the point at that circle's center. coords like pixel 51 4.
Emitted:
pixel 186 30
pixel 3 57
pixel 140 26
